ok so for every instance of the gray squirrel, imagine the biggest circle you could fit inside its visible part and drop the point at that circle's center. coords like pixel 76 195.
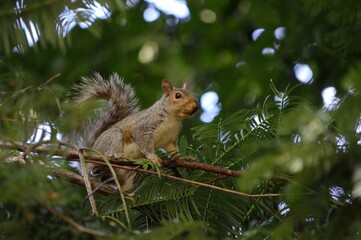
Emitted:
pixel 121 129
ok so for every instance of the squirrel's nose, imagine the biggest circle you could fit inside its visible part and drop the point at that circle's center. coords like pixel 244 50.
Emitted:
pixel 195 107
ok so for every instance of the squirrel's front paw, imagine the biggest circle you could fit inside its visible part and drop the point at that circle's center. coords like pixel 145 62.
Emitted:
pixel 154 158
pixel 117 156
pixel 100 173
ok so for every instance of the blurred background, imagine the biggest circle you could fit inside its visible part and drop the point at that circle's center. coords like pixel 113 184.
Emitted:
pixel 229 51
pixel 278 83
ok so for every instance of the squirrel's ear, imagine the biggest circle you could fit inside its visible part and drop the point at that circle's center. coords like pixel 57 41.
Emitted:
pixel 166 86
pixel 185 86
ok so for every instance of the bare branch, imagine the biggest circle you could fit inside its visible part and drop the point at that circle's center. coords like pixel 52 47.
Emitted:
pixel 76 225
pixel 182 162
pixel 41 86
pixel 87 184
pixel 130 165
pixel 62 149
pixel 26 89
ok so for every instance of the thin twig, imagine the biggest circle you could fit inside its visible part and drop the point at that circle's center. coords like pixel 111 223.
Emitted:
pixel 76 225
pixel 276 216
pixel 73 156
pixel 87 184
pixel 41 86
pixel 194 182
pixel 122 164
pixel 24 90
pixel 77 179
pixel 122 196
pixel 131 166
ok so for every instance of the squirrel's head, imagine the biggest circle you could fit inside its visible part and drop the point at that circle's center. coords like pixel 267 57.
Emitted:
pixel 183 102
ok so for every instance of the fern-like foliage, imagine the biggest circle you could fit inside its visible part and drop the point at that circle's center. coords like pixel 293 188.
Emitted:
pixel 232 143
pixel 299 162
pixel 342 20
pixel 286 151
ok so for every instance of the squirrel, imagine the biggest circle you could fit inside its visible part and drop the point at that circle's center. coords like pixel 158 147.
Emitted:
pixel 121 129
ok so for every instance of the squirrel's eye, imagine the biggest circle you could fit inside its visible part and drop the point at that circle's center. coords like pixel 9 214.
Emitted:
pixel 178 95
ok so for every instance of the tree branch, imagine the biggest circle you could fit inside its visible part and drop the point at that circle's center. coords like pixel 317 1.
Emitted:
pixel 182 162
pixel 124 164
pixel 28 88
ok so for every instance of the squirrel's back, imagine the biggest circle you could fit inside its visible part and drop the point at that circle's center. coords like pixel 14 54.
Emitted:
pixel 121 98
pixel 121 130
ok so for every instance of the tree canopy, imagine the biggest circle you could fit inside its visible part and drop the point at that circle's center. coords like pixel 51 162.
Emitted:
pixel 277 140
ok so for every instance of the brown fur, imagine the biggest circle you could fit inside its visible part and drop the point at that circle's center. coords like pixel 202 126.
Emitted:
pixel 124 130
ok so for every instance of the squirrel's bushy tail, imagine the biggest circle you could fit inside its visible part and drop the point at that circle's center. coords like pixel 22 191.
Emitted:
pixel 121 97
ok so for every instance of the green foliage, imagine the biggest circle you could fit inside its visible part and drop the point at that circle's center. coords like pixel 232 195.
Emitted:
pixel 16 17
pixel 276 132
